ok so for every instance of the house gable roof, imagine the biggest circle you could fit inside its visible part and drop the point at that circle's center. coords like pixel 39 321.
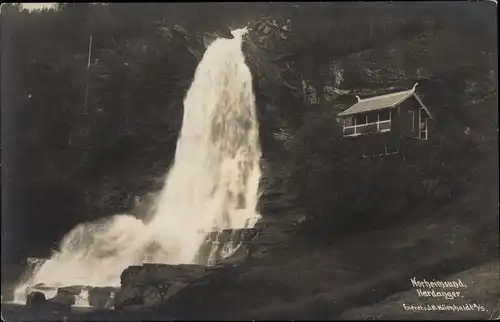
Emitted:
pixel 383 101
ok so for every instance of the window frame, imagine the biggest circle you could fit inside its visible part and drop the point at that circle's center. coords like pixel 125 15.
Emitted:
pixel 355 125
pixel 425 123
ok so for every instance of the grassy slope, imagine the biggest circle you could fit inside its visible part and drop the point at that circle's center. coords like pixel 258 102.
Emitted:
pixel 483 288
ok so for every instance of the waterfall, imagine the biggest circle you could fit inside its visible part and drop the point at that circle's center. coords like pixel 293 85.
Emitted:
pixel 212 184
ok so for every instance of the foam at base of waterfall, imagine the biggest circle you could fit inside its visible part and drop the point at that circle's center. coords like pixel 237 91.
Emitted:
pixel 82 299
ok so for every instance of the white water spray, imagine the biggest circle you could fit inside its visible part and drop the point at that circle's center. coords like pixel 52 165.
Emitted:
pixel 213 184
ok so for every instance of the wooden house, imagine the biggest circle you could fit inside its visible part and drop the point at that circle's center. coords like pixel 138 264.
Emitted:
pixel 384 122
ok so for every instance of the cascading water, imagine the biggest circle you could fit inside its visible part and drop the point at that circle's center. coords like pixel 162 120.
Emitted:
pixel 212 185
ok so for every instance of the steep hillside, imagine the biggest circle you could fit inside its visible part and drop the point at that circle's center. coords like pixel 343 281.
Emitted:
pixel 304 281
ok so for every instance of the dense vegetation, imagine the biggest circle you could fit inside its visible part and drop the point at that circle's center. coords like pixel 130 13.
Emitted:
pixel 82 137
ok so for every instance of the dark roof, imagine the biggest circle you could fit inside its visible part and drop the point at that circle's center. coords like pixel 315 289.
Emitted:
pixel 380 102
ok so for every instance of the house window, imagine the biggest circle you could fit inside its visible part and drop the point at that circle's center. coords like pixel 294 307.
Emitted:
pixel 423 126
pixel 360 119
pixel 412 114
pixel 372 117
pixel 384 126
pixel 384 115
pixel 367 123
pixel 384 120
pixel 348 131
pixel 348 121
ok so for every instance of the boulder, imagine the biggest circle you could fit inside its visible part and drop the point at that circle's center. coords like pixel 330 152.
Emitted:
pixel 161 273
pixel 60 303
pixel 36 300
pixel 101 297
pixel 150 285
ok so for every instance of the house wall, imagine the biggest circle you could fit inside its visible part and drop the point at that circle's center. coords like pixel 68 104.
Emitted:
pixel 404 120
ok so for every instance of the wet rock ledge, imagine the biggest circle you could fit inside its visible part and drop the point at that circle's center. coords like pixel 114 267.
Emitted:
pixel 151 285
